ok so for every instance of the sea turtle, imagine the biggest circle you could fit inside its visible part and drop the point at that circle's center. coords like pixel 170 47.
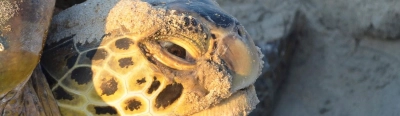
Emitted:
pixel 150 57
pixel 23 27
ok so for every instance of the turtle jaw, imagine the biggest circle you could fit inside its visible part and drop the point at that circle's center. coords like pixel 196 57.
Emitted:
pixel 241 57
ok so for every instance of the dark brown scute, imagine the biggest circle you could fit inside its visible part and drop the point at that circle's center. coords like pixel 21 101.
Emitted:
pixel 125 62
pixel 123 43
pixel 109 87
pixel 60 94
pixel 141 81
pixel 82 75
pixel 105 110
pixel 154 86
pixel 133 104
pixel 169 95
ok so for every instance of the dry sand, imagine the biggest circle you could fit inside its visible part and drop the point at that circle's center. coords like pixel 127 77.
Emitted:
pixel 347 59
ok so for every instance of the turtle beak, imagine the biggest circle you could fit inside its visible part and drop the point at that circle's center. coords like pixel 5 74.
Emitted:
pixel 242 57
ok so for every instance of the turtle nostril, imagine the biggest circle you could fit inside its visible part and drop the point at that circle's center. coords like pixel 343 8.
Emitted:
pixel 239 32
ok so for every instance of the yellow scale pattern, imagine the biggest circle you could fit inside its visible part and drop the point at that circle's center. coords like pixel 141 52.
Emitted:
pixel 123 80
pixel 119 85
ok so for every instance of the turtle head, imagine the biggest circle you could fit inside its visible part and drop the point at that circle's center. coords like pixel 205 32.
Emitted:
pixel 174 57
pixel 220 38
pixel 204 49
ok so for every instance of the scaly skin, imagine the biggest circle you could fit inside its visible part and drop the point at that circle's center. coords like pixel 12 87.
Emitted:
pixel 150 58
pixel 127 57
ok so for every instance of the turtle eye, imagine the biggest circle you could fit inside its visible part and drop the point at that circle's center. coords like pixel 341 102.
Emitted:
pixel 172 55
pixel 175 52
pixel 174 49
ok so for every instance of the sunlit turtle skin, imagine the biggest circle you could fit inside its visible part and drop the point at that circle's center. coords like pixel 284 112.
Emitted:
pixel 173 57
pixel 23 29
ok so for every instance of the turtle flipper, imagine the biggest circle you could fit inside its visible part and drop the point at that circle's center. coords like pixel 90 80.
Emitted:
pixel 23 29
pixel 34 99
pixel 40 86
